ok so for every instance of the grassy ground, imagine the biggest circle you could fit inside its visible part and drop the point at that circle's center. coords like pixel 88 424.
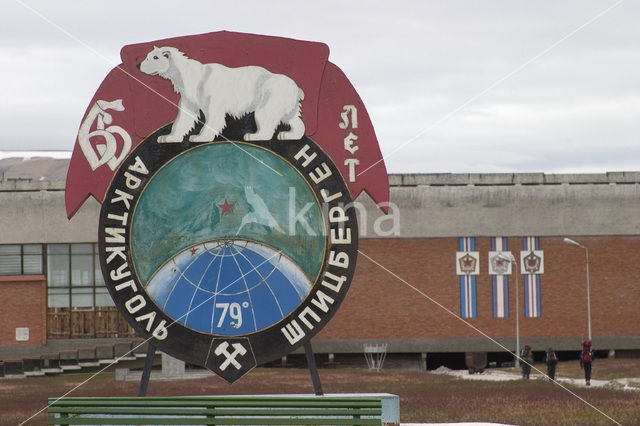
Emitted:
pixel 424 397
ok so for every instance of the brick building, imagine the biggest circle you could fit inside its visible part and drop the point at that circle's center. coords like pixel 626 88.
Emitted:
pixel 406 292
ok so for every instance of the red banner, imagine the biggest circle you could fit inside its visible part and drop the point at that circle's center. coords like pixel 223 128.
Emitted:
pixel 131 104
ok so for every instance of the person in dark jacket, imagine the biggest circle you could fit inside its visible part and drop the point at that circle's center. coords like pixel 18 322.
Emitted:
pixel 551 360
pixel 586 358
pixel 526 360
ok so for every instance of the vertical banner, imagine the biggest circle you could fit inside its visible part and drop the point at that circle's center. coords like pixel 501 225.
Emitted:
pixel 467 267
pixel 532 267
pixel 500 269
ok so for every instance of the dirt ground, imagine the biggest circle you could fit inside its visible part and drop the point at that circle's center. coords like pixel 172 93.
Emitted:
pixel 424 397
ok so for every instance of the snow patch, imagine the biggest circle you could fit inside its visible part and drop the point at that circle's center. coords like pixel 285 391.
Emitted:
pixel 627 384
pixel 27 155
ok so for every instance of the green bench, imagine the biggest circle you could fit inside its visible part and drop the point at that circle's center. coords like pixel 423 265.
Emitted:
pixel 217 410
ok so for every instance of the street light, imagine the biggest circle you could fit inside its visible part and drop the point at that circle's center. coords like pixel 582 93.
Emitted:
pixel 577 244
pixel 507 256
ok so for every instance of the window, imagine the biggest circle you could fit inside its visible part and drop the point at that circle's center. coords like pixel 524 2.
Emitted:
pixel 10 259
pixel 21 259
pixel 32 259
pixel 58 265
pixel 58 297
pixel 103 298
pixel 82 272
pixel 74 277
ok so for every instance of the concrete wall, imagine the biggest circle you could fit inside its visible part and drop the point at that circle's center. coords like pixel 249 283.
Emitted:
pixel 438 205
pixel 34 212
pixel 446 205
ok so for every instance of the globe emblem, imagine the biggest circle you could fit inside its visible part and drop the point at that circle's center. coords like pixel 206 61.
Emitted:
pixel 228 251
pixel 229 287
pixel 214 244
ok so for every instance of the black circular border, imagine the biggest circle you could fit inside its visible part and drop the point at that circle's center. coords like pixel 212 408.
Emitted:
pixel 185 343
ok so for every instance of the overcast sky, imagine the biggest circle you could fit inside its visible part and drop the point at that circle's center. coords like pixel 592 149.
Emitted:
pixel 451 86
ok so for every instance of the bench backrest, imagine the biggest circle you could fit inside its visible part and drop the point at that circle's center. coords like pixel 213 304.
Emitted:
pixel 216 410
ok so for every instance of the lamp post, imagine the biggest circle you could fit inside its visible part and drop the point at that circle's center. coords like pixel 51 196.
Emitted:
pixel 577 244
pixel 507 256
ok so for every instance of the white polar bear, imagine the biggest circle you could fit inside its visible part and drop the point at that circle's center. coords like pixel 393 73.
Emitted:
pixel 217 90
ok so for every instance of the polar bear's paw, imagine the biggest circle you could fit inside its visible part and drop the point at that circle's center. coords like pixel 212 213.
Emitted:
pixel 169 139
pixel 201 138
pixel 288 136
pixel 257 136
pixel 295 132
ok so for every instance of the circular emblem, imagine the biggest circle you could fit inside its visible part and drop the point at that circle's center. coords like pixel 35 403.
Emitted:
pixel 228 254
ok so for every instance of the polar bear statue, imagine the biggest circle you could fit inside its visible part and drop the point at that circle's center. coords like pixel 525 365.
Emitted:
pixel 217 90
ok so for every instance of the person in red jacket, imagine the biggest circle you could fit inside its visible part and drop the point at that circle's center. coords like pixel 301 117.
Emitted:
pixel 586 358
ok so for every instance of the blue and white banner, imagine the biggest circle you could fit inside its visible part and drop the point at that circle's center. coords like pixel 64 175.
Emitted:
pixel 532 267
pixel 500 269
pixel 467 267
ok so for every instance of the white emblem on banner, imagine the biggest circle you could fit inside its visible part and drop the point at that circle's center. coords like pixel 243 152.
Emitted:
pixel 532 262
pixel 467 262
pixel 350 141
pixel 106 152
pixel 344 115
pixel 498 263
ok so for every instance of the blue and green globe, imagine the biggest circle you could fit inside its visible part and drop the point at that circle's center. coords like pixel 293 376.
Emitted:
pixel 228 238
pixel 229 287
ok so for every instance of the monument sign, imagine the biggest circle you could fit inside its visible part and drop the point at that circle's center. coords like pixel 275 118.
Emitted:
pixel 226 165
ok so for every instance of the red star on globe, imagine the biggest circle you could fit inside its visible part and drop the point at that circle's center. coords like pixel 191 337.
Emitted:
pixel 193 251
pixel 226 207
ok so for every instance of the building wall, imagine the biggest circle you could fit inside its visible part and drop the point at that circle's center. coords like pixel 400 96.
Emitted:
pixel 409 288
pixel 24 305
pixel 416 246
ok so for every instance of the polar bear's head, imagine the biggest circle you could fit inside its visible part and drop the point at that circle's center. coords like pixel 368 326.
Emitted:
pixel 158 61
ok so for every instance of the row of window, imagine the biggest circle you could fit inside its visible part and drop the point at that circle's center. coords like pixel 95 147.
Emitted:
pixel 21 259
pixel 74 278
